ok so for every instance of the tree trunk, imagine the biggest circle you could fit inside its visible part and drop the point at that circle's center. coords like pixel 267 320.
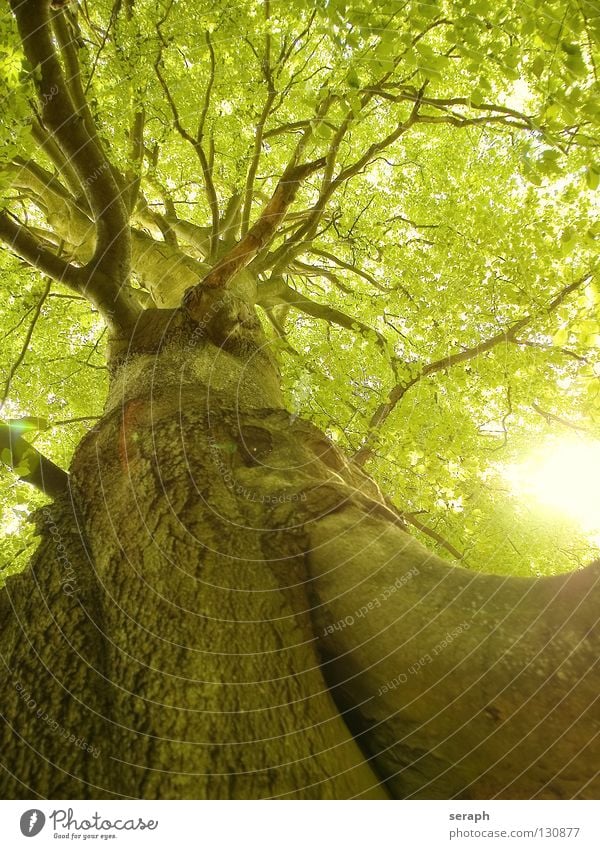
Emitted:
pixel 221 573
pixel 165 619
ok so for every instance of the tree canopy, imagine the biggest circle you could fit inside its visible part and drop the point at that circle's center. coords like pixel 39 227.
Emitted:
pixel 433 290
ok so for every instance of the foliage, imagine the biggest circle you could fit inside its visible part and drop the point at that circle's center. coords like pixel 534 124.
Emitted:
pixel 461 202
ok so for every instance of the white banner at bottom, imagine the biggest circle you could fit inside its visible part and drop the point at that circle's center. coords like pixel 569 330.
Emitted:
pixel 301 825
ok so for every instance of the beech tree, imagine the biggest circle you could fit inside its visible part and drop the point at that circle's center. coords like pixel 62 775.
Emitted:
pixel 286 287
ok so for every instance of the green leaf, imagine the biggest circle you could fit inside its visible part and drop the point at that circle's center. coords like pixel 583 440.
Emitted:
pixel 576 65
pixel 352 78
pixel 549 161
pixel 537 66
pixel 592 177
pixel 323 131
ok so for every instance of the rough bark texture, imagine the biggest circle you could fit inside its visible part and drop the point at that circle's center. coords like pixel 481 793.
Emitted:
pixel 183 650
pixel 459 684
pixel 224 594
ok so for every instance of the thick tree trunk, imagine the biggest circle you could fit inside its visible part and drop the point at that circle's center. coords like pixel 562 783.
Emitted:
pixel 222 574
pixel 166 618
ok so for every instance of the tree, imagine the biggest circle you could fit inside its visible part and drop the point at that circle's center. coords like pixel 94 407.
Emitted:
pixel 322 249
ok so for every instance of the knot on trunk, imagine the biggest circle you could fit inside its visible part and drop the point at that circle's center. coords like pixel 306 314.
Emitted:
pixel 222 315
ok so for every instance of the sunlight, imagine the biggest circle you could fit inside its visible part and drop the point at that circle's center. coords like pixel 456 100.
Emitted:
pixel 563 475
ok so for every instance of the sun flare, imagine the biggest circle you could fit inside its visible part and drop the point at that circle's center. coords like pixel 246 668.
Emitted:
pixel 563 475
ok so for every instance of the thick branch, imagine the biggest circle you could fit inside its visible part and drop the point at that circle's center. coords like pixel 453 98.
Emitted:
pixel 107 272
pixel 160 266
pixel 398 629
pixel 25 245
pixel 136 156
pixel 231 220
pixel 37 470
pixel 68 48
pixel 70 130
pixel 258 235
pixel 116 305
pixel 278 292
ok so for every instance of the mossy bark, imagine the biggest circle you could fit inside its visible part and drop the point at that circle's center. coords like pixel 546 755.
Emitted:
pixel 226 607
pixel 180 649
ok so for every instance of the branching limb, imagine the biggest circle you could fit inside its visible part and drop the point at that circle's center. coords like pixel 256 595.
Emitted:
pixel 258 235
pixel 13 369
pixel 196 237
pixel 160 266
pixel 69 220
pixel 197 145
pixel 303 237
pixel 31 466
pixel 118 307
pixel 108 269
pixel 276 291
pixel 380 415
pixel 25 245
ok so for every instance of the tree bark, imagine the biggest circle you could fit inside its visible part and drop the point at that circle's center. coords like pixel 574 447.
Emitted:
pixel 458 684
pixel 165 619
pixel 226 607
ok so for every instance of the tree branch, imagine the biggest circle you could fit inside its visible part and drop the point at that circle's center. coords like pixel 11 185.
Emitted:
pixel 13 369
pixel 258 134
pixel 209 88
pixel 380 415
pixel 25 245
pixel 552 417
pixel 198 148
pixel 301 239
pixel 68 48
pixel 136 156
pixel 276 291
pixel 58 159
pixel 434 535
pixel 349 267
pixel 117 306
pixel 258 140
pixel 258 235
pixel 37 470
pixel 231 219
pixel 109 267
pixel 445 104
